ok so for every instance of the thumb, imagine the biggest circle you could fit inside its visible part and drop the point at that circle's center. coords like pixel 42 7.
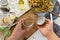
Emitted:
pixel 38 26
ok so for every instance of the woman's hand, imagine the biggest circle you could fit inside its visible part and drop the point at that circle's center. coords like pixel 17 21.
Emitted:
pixel 18 31
pixel 46 29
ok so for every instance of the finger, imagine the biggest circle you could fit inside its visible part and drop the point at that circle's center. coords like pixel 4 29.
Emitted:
pixel 48 21
pixel 19 25
pixel 37 25
pixel 20 21
pixel 41 26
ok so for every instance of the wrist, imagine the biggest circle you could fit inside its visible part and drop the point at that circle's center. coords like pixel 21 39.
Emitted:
pixel 17 34
pixel 50 34
pixel 53 36
pixel 16 37
pixel 12 38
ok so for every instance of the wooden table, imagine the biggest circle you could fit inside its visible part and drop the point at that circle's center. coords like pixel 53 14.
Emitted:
pixel 33 28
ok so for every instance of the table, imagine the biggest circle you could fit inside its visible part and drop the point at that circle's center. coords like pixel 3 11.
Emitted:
pixel 37 35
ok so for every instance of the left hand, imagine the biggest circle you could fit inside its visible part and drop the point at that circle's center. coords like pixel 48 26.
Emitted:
pixel 18 31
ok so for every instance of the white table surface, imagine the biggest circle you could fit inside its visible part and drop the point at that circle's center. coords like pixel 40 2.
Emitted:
pixel 37 36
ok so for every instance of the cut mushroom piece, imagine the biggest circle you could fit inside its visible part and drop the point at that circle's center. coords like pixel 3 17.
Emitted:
pixel 5 20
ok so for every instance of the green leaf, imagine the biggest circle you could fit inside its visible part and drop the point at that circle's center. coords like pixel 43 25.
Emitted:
pixel 7 33
pixel 2 29
pixel 15 19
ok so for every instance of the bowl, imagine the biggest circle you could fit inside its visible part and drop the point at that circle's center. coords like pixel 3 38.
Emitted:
pixel 39 5
pixel 43 13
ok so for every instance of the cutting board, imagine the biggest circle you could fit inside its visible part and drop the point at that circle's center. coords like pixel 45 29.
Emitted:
pixel 33 28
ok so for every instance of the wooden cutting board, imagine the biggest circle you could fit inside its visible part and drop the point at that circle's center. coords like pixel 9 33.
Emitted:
pixel 33 28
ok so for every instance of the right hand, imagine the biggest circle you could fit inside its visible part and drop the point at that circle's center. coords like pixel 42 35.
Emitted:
pixel 46 29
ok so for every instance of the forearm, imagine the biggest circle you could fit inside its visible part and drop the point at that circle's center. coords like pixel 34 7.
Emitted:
pixel 53 36
pixel 12 38
pixel 15 37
